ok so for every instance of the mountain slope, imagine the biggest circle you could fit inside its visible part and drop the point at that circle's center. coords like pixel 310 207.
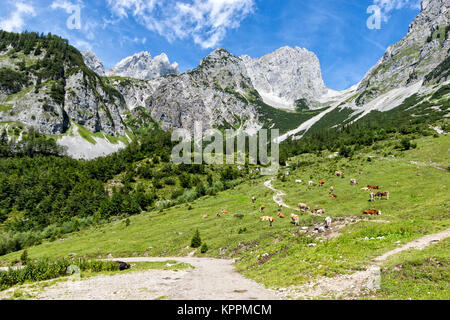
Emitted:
pixel 48 86
pixel 285 76
pixel 409 61
pixel 93 62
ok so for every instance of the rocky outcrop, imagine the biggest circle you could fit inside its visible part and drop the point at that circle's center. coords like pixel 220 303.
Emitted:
pixel 285 76
pixel 142 66
pixel 213 93
pixel 93 62
pixel 409 61
pixel 92 106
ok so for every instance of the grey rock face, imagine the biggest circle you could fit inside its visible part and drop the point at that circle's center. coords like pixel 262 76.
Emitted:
pixel 93 62
pixel 410 60
pixel 92 107
pixel 286 75
pixel 142 66
pixel 213 94
pixel 39 111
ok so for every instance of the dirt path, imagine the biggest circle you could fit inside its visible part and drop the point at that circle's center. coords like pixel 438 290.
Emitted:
pixel 359 283
pixel 212 279
pixel 278 197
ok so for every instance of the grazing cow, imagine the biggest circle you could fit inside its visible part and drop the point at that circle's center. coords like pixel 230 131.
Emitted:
pixel 372 197
pixel 327 222
pixel 382 194
pixel 266 218
pixel 224 211
pixel 339 174
pixel 353 182
pixel 310 183
pixel 318 211
pixel 218 215
pixel 372 212
pixel 321 182
pixel 303 207
pixel 205 216
pixel 298 181
pixel 253 199
pixel 295 219
pixel 261 209
pixel 360 171
pixel 365 189
pixel 373 187
pixel 281 216
pixel 331 190
pixel 280 207
pixel 333 196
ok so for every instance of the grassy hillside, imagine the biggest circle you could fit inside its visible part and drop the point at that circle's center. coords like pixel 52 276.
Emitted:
pixel 282 255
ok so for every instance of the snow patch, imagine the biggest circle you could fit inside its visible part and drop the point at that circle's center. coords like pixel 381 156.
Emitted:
pixel 80 148
pixel 276 101
pixel 388 101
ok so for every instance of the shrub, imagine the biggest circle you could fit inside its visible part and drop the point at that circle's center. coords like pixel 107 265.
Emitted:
pixel 170 181
pixel 204 248
pixel 242 230
pixel 24 257
pixel 196 240
pixel 45 269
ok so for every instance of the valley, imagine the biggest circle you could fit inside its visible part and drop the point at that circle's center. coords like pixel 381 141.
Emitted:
pixel 359 208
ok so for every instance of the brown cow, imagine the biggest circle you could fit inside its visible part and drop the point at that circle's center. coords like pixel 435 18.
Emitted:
pixel 295 219
pixel 360 171
pixel 218 215
pixel 321 182
pixel 372 212
pixel 333 196
pixel 339 174
pixel 281 216
pixel 266 218
pixel 253 199
pixel 261 209
pixel 303 207
pixel 382 194
pixel 224 211
pixel 373 187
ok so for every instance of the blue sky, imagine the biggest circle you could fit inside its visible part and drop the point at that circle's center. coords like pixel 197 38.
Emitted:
pixel 188 30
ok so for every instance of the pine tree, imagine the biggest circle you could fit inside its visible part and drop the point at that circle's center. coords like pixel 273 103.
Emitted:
pixel 196 240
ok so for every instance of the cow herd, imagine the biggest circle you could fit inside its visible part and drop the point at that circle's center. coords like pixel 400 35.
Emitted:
pixel 303 207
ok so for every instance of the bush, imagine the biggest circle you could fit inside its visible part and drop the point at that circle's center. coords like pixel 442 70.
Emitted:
pixel 45 269
pixel 24 257
pixel 204 248
pixel 170 181
pixel 196 241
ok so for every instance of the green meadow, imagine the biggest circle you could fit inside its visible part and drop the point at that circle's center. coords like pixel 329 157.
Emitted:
pixel 281 256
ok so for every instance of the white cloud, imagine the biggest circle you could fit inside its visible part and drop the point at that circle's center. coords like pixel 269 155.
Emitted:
pixel 205 21
pixel 62 4
pixel 387 6
pixel 17 20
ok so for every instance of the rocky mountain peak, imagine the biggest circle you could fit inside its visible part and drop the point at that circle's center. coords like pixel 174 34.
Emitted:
pixel 142 66
pixel 93 62
pixel 286 75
